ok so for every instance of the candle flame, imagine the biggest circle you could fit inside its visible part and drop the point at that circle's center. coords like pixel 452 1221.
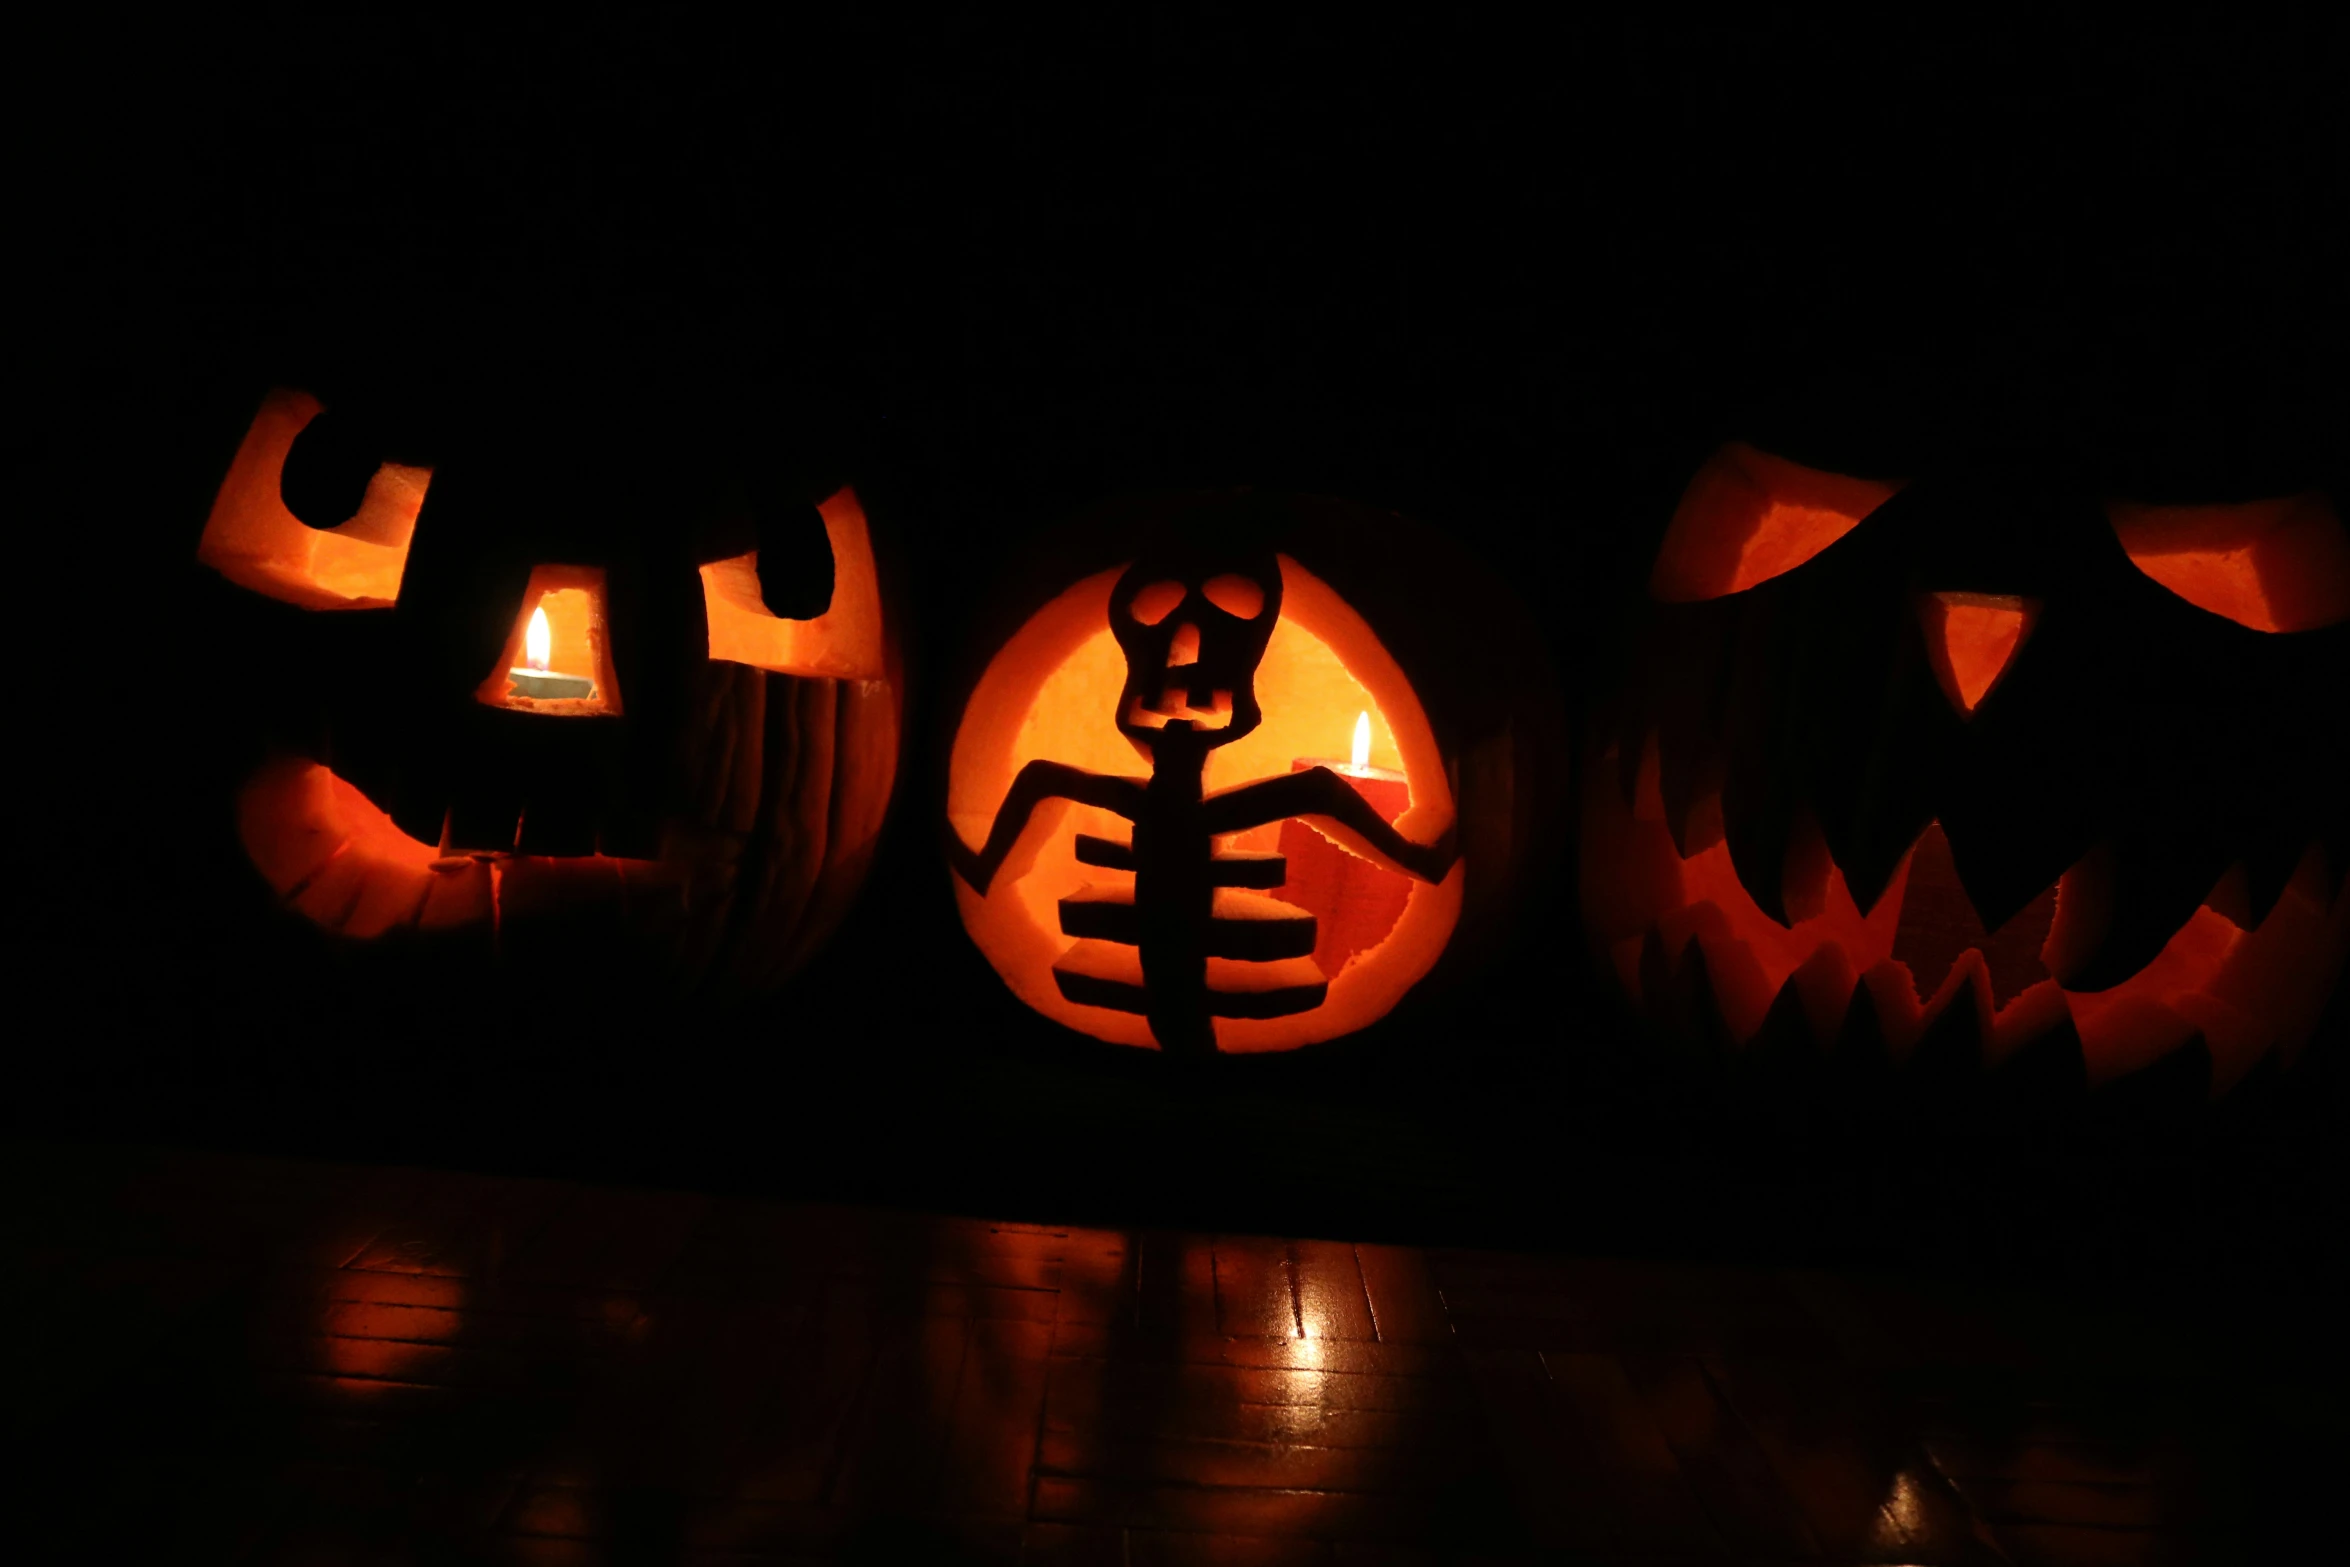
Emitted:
pixel 1362 756
pixel 537 641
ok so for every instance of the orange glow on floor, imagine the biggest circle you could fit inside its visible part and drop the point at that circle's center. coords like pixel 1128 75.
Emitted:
pixel 579 643
pixel 845 642
pixel 1971 639
pixel 1052 692
pixel 1748 517
pixel 251 539
pixel 1648 908
pixel 2273 565
pixel 379 1329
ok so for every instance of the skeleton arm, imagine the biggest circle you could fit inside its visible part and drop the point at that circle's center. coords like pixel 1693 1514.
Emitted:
pixel 1038 782
pixel 1320 792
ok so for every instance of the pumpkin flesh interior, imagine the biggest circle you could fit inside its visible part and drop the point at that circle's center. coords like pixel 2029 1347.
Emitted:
pixel 2273 565
pixel 1971 638
pixel 254 541
pixel 843 643
pixel 1748 517
pixel 341 862
pixel 1052 692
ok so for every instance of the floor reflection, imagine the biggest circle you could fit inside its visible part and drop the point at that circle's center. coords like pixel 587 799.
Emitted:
pixel 342 1364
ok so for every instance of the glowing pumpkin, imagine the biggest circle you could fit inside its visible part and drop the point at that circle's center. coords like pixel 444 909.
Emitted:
pixel 1247 770
pixel 581 691
pixel 1891 754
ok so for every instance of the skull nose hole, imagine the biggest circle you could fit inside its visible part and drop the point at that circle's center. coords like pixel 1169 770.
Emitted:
pixel 1184 649
pixel 1972 639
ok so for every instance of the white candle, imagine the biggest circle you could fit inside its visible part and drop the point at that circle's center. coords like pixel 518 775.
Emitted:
pixel 537 680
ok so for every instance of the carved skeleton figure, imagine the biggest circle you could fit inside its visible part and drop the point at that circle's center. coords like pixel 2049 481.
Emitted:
pixel 1193 620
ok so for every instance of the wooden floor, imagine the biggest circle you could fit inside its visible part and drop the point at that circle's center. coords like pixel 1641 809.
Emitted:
pixel 238 1359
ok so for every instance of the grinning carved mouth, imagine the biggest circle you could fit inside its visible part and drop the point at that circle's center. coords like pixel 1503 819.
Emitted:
pixel 1680 927
pixel 1175 706
pixel 335 858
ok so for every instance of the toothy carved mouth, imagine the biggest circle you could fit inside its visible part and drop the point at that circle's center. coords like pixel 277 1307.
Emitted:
pixel 1681 924
pixel 335 858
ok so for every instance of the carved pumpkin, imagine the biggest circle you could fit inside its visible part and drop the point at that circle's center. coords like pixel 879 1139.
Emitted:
pixel 1245 770
pixel 569 687
pixel 1980 756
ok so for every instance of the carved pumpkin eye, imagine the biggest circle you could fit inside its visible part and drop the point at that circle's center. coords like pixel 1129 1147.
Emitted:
pixel 1156 602
pixel 2273 565
pixel 840 639
pixel 308 514
pixel 1748 517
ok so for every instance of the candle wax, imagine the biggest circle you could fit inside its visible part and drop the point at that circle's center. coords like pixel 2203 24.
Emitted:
pixel 1355 902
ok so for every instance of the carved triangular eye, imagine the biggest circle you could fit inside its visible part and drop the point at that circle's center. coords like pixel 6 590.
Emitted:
pixel 2273 565
pixel 1749 516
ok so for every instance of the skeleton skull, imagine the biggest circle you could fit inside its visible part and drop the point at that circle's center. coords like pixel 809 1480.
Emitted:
pixel 1193 623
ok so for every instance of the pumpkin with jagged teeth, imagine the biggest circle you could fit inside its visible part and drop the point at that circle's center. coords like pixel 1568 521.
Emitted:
pixel 1987 741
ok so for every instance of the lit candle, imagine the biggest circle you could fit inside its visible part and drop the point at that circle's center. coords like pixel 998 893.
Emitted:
pixel 538 680
pixel 1355 903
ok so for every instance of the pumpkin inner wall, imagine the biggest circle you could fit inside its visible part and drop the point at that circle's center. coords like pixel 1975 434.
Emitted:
pixel 1052 693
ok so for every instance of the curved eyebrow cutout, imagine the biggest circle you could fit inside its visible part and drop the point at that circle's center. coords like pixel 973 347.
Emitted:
pixel 1748 517
pixel 843 643
pixel 2272 565
pixel 252 539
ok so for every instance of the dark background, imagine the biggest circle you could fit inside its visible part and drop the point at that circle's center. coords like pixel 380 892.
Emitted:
pixel 1513 283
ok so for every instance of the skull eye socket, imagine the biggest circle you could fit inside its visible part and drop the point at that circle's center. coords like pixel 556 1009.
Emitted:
pixel 1235 595
pixel 1156 602
pixel 2273 565
pixel 1748 517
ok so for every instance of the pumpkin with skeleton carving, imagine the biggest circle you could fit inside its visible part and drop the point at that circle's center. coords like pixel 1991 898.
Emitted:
pixel 1238 771
pixel 1987 759
pixel 588 685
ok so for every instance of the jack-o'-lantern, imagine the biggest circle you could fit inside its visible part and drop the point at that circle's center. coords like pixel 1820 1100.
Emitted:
pixel 1989 742
pixel 574 686
pixel 1246 771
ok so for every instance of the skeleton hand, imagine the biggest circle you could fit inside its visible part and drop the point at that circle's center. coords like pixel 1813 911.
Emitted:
pixel 1320 792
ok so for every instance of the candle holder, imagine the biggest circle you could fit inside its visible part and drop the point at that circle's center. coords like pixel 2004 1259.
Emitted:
pixel 560 630
pixel 1354 901
pixel 548 686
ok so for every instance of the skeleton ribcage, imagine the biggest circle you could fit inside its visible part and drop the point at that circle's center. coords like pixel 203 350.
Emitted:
pixel 1259 949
